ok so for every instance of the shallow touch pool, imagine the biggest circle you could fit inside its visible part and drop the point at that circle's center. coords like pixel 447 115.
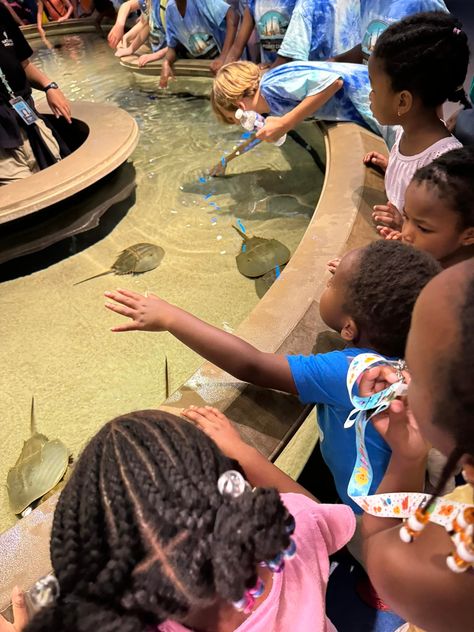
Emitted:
pixel 56 339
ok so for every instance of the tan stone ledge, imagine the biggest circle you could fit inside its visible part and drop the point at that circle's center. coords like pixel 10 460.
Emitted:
pixel 68 27
pixel 286 320
pixel 102 152
pixel 181 68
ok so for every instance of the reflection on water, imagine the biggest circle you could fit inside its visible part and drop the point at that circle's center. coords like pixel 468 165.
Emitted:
pixel 56 339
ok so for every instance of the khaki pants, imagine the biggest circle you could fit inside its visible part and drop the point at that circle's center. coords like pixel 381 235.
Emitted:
pixel 16 164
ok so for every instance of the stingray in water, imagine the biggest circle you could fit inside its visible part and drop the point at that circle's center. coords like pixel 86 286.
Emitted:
pixel 260 255
pixel 133 260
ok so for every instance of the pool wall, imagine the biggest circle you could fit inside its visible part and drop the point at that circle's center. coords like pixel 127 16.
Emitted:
pixel 286 320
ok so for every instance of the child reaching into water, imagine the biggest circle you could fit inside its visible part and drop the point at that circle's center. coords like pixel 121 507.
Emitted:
pixel 439 208
pixel 158 529
pixel 417 64
pixel 416 579
pixel 206 28
pixel 369 301
pixel 292 92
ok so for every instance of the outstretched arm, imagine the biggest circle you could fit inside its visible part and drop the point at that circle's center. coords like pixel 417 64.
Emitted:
pixel 230 353
pixel 260 472
pixel 352 56
pixel 118 29
pixel 276 126
pixel 39 18
pixel 231 20
pixel 167 67
pixel 243 36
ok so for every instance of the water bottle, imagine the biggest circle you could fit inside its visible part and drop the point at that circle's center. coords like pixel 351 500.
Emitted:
pixel 253 121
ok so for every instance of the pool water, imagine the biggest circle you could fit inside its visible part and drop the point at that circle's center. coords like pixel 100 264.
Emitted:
pixel 56 339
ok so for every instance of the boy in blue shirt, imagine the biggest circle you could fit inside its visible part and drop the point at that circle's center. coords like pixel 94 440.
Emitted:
pixel 369 301
pixel 206 28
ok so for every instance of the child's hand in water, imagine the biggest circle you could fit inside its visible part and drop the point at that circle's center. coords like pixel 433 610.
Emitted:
pixel 273 130
pixel 388 215
pixel 218 427
pixel 146 313
pixel 376 159
pixel 20 614
pixel 167 74
pixel 216 64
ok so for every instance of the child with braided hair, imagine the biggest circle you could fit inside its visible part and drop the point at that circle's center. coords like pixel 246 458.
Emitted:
pixel 158 529
pixel 417 64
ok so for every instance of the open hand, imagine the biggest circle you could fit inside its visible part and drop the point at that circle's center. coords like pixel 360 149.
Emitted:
pixel 20 614
pixel 333 264
pixel 58 103
pixel 167 74
pixel 216 64
pixel 217 426
pixel 376 159
pixel 146 313
pixel 273 130
pixel 388 215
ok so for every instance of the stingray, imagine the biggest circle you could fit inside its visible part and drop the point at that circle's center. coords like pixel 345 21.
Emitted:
pixel 260 255
pixel 40 467
pixel 133 260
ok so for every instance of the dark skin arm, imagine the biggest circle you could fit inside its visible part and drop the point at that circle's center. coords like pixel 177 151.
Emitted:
pixel 352 56
pixel 230 30
pixel 243 36
pixel 279 61
pixel 167 67
pixel 230 353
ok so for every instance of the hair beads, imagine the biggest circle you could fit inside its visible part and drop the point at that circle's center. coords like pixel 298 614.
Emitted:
pixel 414 526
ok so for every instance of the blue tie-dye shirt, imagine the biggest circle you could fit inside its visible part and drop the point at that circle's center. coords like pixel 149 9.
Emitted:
pixel 202 30
pixel 272 18
pixel 283 88
pixel 376 15
pixel 321 28
pixel 157 35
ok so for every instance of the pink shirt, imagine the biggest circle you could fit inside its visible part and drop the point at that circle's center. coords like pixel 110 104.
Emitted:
pixel 297 598
pixel 401 169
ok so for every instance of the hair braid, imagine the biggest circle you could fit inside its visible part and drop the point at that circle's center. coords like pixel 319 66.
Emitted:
pixel 427 54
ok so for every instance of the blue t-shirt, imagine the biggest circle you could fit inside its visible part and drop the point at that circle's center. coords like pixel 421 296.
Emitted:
pixel 286 86
pixel 376 15
pixel 321 379
pixel 157 34
pixel 320 29
pixel 271 18
pixel 201 31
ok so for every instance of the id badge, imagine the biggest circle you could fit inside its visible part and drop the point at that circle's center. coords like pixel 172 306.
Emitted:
pixel 23 110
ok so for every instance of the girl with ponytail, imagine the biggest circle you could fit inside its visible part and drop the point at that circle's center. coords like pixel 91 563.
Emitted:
pixel 159 530
pixel 423 569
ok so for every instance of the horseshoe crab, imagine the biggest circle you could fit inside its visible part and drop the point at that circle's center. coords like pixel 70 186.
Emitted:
pixel 260 255
pixel 133 260
pixel 40 467
pixel 265 282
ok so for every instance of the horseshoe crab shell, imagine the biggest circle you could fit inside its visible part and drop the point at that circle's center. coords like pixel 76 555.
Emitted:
pixel 133 260
pixel 260 255
pixel 40 467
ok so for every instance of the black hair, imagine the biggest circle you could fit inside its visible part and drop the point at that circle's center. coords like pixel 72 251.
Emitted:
pixel 383 289
pixel 453 176
pixel 427 54
pixel 455 394
pixel 141 533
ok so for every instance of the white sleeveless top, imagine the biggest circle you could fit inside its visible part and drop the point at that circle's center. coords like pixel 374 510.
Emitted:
pixel 401 169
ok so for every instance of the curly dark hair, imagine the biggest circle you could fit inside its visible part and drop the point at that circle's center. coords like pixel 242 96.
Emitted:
pixel 382 292
pixel 141 533
pixel 452 174
pixel 427 54
pixel 455 402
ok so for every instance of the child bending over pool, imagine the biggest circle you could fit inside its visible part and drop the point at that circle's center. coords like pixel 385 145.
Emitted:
pixel 418 64
pixel 368 301
pixel 206 28
pixel 416 579
pixel 292 92
pixel 439 208
pixel 158 529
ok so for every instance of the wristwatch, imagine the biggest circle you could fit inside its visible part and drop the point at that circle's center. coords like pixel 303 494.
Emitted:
pixel 53 85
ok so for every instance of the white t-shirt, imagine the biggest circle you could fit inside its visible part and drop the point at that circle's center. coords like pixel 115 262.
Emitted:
pixel 401 169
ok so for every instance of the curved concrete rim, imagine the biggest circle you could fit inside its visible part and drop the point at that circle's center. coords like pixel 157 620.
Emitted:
pixel 102 152
pixel 68 27
pixel 182 67
pixel 286 320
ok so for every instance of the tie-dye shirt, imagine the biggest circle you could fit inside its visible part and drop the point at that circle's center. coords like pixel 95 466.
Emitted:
pixel 283 88
pixel 272 18
pixel 202 30
pixel 157 35
pixel 321 28
pixel 376 15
